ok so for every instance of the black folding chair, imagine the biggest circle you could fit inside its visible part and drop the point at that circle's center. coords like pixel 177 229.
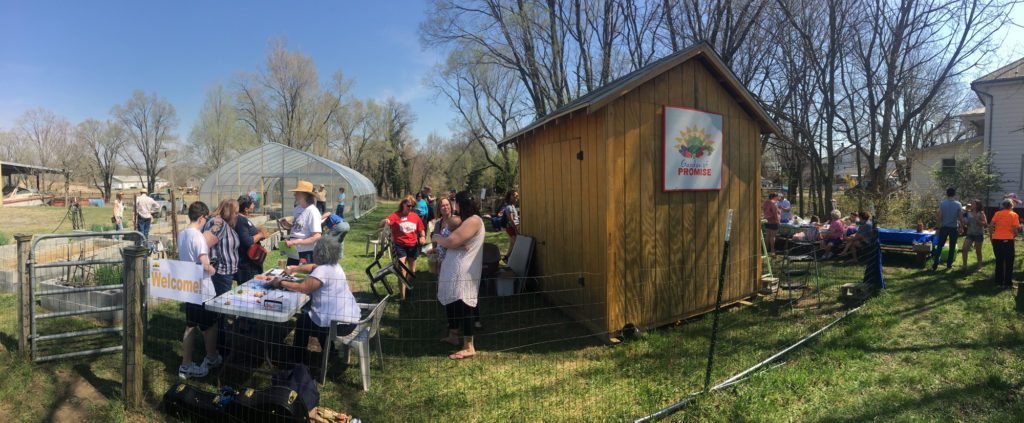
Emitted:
pixel 383 271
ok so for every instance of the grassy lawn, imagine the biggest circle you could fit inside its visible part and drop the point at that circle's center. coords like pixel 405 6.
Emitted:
pixel 933 346
pixel 44 220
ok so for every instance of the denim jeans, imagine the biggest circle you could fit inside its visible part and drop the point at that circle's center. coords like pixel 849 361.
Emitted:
pixel 143 224
pixel 222 283
pixel 340 211
pixel 944 233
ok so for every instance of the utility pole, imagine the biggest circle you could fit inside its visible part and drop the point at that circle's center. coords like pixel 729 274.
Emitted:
pixel 169 156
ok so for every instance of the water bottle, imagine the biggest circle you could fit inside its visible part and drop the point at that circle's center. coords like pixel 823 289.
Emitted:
pixel 302 262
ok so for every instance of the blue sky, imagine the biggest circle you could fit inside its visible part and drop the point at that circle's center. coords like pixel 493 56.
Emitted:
pixel 80 58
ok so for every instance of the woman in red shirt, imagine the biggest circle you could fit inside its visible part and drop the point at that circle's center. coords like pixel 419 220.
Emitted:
pixel 407 233
pixel 1004 228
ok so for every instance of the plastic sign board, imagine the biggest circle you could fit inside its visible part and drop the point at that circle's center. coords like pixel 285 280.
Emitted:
pixel 692 148
pixel 179 280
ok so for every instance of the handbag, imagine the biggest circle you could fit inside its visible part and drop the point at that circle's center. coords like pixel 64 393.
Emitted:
pixel 257 253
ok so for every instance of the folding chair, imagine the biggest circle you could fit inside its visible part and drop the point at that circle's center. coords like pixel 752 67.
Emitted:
pixel 393 267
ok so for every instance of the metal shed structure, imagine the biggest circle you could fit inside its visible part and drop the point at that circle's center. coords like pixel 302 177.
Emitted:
pixel 272 169
pixel 612 246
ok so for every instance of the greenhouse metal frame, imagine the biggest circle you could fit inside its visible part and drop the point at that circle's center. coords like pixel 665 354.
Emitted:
pixel 272 169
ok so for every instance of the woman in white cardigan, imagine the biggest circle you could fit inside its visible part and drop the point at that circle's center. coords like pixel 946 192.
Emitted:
pixel 459 279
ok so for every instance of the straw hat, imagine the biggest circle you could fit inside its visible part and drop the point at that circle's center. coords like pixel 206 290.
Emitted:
pixel 303 186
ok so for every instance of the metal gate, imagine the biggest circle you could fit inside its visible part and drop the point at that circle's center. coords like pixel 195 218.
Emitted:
pixel 64 257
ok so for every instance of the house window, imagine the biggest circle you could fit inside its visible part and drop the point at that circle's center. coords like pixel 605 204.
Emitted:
pixel 948 165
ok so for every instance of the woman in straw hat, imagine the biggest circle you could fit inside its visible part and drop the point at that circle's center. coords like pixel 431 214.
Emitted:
pixel 305 226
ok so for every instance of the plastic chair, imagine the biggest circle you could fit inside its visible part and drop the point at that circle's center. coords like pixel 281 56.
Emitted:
pixel 375 239
pixel 365 330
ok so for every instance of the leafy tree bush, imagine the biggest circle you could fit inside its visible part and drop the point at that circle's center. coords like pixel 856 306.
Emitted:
pixel 972 178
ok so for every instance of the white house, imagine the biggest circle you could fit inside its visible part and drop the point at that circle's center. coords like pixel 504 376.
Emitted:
pixel 1002 93
pixel 999 127
pixel 946 156
pixel 134 182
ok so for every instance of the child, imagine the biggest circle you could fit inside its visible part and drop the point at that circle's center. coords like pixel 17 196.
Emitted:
pixel 813 233
pixel 194 247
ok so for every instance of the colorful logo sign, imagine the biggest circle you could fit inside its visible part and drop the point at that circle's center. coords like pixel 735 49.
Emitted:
pixel 692 144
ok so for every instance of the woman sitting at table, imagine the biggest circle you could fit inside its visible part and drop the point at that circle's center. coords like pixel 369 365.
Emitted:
pixel 833 236
pixel 864 237
pixel 329 299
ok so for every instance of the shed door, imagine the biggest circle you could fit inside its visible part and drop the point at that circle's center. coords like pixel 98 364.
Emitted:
pixel 560 249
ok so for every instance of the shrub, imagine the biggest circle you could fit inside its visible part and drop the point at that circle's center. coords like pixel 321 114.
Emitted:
pixel 108 274
pixel 4 239
pixel 99 227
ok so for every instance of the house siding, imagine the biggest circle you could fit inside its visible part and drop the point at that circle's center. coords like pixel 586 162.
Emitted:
pixel 1006 134
pixel 923 162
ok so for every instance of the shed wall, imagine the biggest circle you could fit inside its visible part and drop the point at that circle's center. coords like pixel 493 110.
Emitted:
pixel 668 245
pixel 646 256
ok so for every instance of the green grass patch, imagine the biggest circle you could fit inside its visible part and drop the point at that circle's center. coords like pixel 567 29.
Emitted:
pixel 933 346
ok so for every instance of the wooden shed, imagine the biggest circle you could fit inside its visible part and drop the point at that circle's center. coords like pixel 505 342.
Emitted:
pixel 612 245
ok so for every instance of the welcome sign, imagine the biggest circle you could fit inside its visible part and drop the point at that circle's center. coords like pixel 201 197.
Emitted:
pixel 692 145
pixel 179 280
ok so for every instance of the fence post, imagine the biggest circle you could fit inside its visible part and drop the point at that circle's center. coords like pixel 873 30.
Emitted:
pixel 24 292
pixel 134 278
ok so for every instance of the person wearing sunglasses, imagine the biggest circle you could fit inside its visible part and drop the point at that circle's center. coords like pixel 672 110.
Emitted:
pixel 407 233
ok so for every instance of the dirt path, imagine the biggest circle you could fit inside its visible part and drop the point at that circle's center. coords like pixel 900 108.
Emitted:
pixel 72 406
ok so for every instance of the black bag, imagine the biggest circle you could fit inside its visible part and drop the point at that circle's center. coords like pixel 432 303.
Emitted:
pixel 270 405
pixel 299 380
pixel 188 403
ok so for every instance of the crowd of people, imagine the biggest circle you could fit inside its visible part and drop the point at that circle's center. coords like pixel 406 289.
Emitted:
pixel 953 221
pixel 221 241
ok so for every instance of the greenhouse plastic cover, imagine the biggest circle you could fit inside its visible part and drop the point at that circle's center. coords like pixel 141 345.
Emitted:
pixel 273 169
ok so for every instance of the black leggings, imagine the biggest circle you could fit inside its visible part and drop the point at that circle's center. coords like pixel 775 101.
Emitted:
pixel 304 328
pixel 459 311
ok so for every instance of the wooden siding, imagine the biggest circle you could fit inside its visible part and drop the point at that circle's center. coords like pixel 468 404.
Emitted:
pixel 646 256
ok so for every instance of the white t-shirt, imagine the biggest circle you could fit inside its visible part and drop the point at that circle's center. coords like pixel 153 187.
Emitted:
pixel 192 246
pixel 333 300
pixel 305 224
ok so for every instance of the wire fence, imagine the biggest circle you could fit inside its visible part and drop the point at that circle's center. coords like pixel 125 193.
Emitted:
pixel 533 349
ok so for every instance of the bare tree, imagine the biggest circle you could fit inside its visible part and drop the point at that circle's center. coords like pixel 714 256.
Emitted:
pixel 218 134
pixel 148 121
pixel 489 103
pixel 919 44
pixel 283 103
pixel 103 141
pixel 50 143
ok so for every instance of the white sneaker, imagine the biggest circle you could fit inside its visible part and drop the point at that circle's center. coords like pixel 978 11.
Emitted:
pixel 214 363
pixel 191 370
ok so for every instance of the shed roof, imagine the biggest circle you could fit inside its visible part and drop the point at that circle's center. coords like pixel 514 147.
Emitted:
pixel 11 168
pixel 1010 72
pixel 601 96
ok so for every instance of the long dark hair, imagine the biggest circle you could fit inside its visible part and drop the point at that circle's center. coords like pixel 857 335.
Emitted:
pixel 467 204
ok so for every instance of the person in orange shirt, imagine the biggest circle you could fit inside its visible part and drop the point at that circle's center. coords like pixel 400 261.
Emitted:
pixel 1004 227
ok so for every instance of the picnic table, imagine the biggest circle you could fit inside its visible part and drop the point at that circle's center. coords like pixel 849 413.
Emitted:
pixel 907 240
